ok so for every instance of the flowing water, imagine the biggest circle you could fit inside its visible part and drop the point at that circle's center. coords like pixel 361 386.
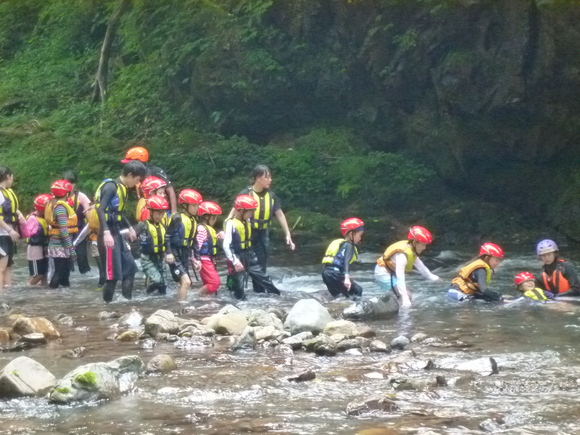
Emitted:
pixel 216 391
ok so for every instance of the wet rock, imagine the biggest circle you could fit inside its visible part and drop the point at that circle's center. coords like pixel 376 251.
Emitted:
pixel 374 375
pixel 162 321
pixel 132 320
pixel 77 352
pixel 197 342
pixel 263 318
pixel 162 336
pixel 82 329
pixel 484 366
pixel 400 342
pixel 353 352
pixel 172 338
pixel 492 425
pixel 19 346
pixel 148 343
pixel 321 345
pixel 296 340
pixel 410 385
pixel 129 336
pixel 382 307
pixel 364 342
pixel 307 375
pixel 282 335
pixel 63 319
pixel 278 312
pixel 418 338
pixel 231 324
pixel 365 331
pixel 106 315
pixel 345 345
pixel 229 309
pixel 307 315
pixel 4 337
pixel 337 338
pixel 379 346
pixel 440 381
pixel 344 327
pixel 5 308
pixel 25 377
pixel 34 338
pixel 29 325
pixel 265 332
pixel 247 340
pixel 98 381
pixel 161 364
pixel 372 405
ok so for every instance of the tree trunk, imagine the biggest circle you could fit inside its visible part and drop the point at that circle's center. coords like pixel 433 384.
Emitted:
pixel 100 84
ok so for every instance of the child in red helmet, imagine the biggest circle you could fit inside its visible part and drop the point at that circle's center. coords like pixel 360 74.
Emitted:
pixel 338 257
pixel 475 277
pixel 402 257
pixel 206 244
pixel 35 230
pixel 526 284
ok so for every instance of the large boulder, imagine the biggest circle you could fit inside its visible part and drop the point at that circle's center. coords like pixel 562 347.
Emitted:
pixel 307 315
pixel 25 377
pixel 98 381
pixel 345 327
pixel 31 325
pixel 231 324
pixel 321 345
pixel 161 364
pixel 162 321
pixel 380 308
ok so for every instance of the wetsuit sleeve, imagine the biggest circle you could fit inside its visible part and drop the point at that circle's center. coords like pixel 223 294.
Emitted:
pixel 108 192
pixel 228 235
pixel 277 203
pixel 423 270
pixel 572 277
pixel 348 253
pixel 480 278
pixel 174 224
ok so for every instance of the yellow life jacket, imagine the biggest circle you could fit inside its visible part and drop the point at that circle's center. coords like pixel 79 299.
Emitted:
pixel 72 222
pixel 186 232
pixel 335 254
pixel 40 237
pixel 402 246
pixel 209 246
pixel 142 213
pixel 242 235
pixel 536 294
pixel 261 219
pixel 154 243
pixel 113 210
pixel 9 207
pixel 464 282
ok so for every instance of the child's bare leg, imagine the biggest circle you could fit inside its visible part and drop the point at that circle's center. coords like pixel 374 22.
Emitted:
pixel 3 272
pixel 185 285
pixel 36 279
pixel 203 291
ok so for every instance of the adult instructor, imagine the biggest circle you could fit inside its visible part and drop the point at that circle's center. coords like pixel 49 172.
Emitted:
pixel 269 205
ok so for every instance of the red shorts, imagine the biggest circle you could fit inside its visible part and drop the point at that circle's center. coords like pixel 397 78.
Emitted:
pixel 209 275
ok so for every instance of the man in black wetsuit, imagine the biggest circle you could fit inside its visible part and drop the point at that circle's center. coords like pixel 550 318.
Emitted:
pixel 111 199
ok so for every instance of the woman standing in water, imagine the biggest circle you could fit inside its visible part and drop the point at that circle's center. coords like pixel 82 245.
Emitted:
pixel 10 216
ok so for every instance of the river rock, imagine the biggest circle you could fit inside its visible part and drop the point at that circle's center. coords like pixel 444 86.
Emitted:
pixel 229 309
pixel 345 345
pixel 372 405
pixel 364 342
pixel 337 338
pixel 484 366
pixel 162 321
pixel 345 327
pixel 307 315
pixel 382 307
pixel 379 346
pixel 129 336
pixel 247 340
pixel 296 340
pixel 161 363
pixel 231 324
pixel 29 325
pixel 34 338
pixel 132 320
pixel 418 338
pixel 98 381
pixel 321 345
pixel 105 315
pixel 307 375
pixel 148 343
pixel 4 337
pixel 263 318
pixel 64 319
pixel 25 377
pixel 265 332
pixel 77 352
pixel 278 312
pixel 400 342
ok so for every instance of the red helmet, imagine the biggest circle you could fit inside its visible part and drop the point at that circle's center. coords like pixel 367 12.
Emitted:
pixel 40 202
pixel 208 207
pixel 245 202
pixel 157 202
pixel 523 276
pixel 351 224
pixel 136 153
pixel 491 249
pixel 150 184
pixel 190 196
pixel 420 234
pixel 61 188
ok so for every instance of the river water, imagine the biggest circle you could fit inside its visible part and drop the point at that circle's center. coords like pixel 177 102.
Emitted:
pixel 216 391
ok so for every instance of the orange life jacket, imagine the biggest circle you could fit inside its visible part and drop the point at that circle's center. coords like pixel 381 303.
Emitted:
pixel 556 283
pixel 464 282
pixel 72 222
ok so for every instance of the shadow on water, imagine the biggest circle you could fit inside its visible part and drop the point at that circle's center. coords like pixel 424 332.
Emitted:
pixel 216 391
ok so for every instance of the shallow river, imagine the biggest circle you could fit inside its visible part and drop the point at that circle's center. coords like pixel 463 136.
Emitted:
pixel 216 391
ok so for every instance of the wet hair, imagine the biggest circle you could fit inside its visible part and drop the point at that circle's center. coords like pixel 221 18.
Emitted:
pixel 135 168
pixel 5 172
pixel 70 176
pixel 259 171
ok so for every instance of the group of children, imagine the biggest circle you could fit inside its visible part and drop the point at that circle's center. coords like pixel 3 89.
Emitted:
pixel 472 282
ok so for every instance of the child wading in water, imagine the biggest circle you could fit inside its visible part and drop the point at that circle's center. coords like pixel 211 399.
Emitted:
pixel 206 241
pixel 526 284
pixel 36 232
pixel 558 276
pixel 402 257
pixel 338 257
pixel 475 277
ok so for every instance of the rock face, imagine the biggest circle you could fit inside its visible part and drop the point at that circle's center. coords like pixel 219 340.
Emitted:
pixel 162 364
pixel 98 381
pixel 382 307
pixel 307 315
pixel 162 321
pixel 30 325
pixel 25 377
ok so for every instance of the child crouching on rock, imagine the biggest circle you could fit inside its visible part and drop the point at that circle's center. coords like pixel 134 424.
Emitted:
pixel 338 257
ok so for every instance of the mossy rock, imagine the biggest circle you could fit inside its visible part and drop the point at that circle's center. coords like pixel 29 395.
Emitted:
pixel 89 379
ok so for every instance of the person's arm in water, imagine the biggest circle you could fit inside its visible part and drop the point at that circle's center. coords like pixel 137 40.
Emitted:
pixel 423 270
pixel 400 260
pixel 284 224
pixel 480 276
pixel 228 235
